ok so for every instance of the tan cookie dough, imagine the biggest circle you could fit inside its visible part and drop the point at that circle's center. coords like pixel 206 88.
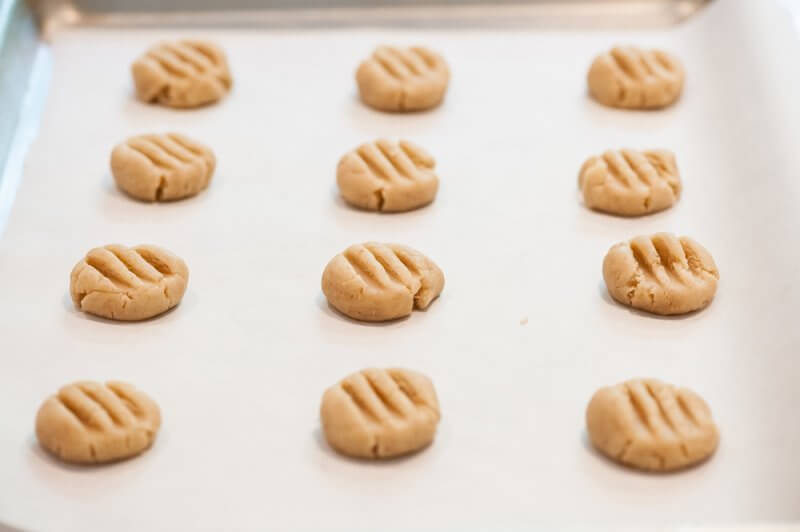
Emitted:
pixel 128 284
pixel 651 425
pixel 387 176
pixel 380 413
pixel 403 79
pixel 661 274
pixel 90 422
pixel 162 167
pixel 379 282
pixel 187 73
pixel 630 182
pixel 633 78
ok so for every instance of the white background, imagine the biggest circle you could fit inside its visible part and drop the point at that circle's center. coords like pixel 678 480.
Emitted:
pixel 239 367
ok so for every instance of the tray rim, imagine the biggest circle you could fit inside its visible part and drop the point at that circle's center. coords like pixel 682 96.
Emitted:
pixel 586 14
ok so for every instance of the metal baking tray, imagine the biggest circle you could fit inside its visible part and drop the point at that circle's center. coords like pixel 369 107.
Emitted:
pixel 523 333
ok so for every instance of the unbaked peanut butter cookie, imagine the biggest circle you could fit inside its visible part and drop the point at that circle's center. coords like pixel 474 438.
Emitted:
pixel 630 182
pixel 403 79
pixel 648 424
pixel 379 282
pixel 162 167
pixel 380 413
pixel 90 422
pixel 387 176
pixel 661 274
pixel 187 73
pixel 632 78
pixel 128 284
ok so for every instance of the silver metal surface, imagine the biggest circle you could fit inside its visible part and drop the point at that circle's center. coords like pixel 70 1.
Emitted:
pixel 24 75
pixel 219 5
pixel 18 43
pixel 632 14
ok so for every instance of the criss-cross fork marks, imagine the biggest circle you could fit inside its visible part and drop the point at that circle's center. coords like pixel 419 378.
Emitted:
pixel 384 396
pixel 382 266
pixel 99 407
pixel 666 260
pixel 187 59
pixel 405 64
pixel 640 170
pixel 127 268
pixel 662 412
pixel 394 162
pixel 642 66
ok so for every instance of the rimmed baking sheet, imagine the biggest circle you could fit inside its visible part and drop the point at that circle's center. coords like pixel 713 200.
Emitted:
pixel 521 337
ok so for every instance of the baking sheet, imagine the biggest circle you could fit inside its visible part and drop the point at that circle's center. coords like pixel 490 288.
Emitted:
pixel 18 43
pixel 239 367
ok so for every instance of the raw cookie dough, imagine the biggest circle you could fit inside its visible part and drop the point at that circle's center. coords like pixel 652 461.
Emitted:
pixel 661 274
pixel 633 78
pixel 128 284
pixel 380 413
pixel 629 182
pixel 379 282
pixel 162 167
pixel 647 424
pixel 187 73
pixel 387 176
pixel 90 422
pixel 402 79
